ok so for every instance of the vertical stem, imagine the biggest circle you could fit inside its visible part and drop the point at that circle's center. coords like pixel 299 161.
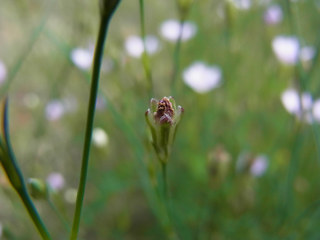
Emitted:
pixel 145 56
pixel 34 214
pixel 164 178
pixel 104 21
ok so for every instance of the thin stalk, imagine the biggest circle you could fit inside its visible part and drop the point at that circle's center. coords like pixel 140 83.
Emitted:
pixel 14 174
pixel 34 214
pixel 104 22
pixel 176 58
pixel 164 179
pixel 170 228
pixel 145 56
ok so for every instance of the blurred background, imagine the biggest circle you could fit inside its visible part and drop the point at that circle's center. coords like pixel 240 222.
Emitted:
pixel 245 162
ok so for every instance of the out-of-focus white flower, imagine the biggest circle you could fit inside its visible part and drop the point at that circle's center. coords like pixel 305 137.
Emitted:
pixel 3 72
pixel 307 53
pixel 31 100
pixel 286 49
pixel 54 110
pixel 135 48
pixel 242 4
pixel 316 110
pixel 55 181
pixel 300 107
pixel 201 77
pixel 273 15
pixel 291 101
pixel 259 166
pixel 70 195
pixel 100 137
pixel 171 29
pixel 82 58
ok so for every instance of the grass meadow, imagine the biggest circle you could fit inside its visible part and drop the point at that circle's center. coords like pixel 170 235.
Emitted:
pixel 245 162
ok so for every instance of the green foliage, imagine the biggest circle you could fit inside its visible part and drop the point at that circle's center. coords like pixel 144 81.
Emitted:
pixel 209 198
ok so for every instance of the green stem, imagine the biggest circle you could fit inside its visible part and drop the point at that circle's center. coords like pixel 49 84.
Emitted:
pixel 104 22
pixel 145 56
pixel 34 214
pixel 164 179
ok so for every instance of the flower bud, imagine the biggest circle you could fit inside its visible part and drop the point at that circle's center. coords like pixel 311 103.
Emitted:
pixel 184 7
pixel 38 189
pixel 162 118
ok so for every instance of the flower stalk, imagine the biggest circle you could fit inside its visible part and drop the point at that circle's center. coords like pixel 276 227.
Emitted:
pixel 107 8
pixel 14 174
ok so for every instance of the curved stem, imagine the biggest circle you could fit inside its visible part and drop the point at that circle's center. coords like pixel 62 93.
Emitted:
pixel 34 214
pixel 89 126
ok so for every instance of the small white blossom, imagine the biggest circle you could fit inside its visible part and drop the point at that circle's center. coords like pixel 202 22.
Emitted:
pixel 171 30
pixel 201 77
pixel 259 166
pixel 54 110
pixel 82 58
pixel 299 106
pixel 273 15
pixel 135 48
pixel 56 181
pixel 100 137
pixel 286 49
pixel 316 110
pixel 3 72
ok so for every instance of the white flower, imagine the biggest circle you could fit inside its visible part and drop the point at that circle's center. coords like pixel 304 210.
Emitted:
pixel 316 110
pixel 286 49
pixel 273 14
pixel 135 48
pixel 54 110
pixel 100 137
pixel 307 53
pixel 300 107
pixel 3 72
pixel 201 77
pixel 172 28
pixel 82 58
pixel 55 181
pixel 259 166
pixel 242 4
